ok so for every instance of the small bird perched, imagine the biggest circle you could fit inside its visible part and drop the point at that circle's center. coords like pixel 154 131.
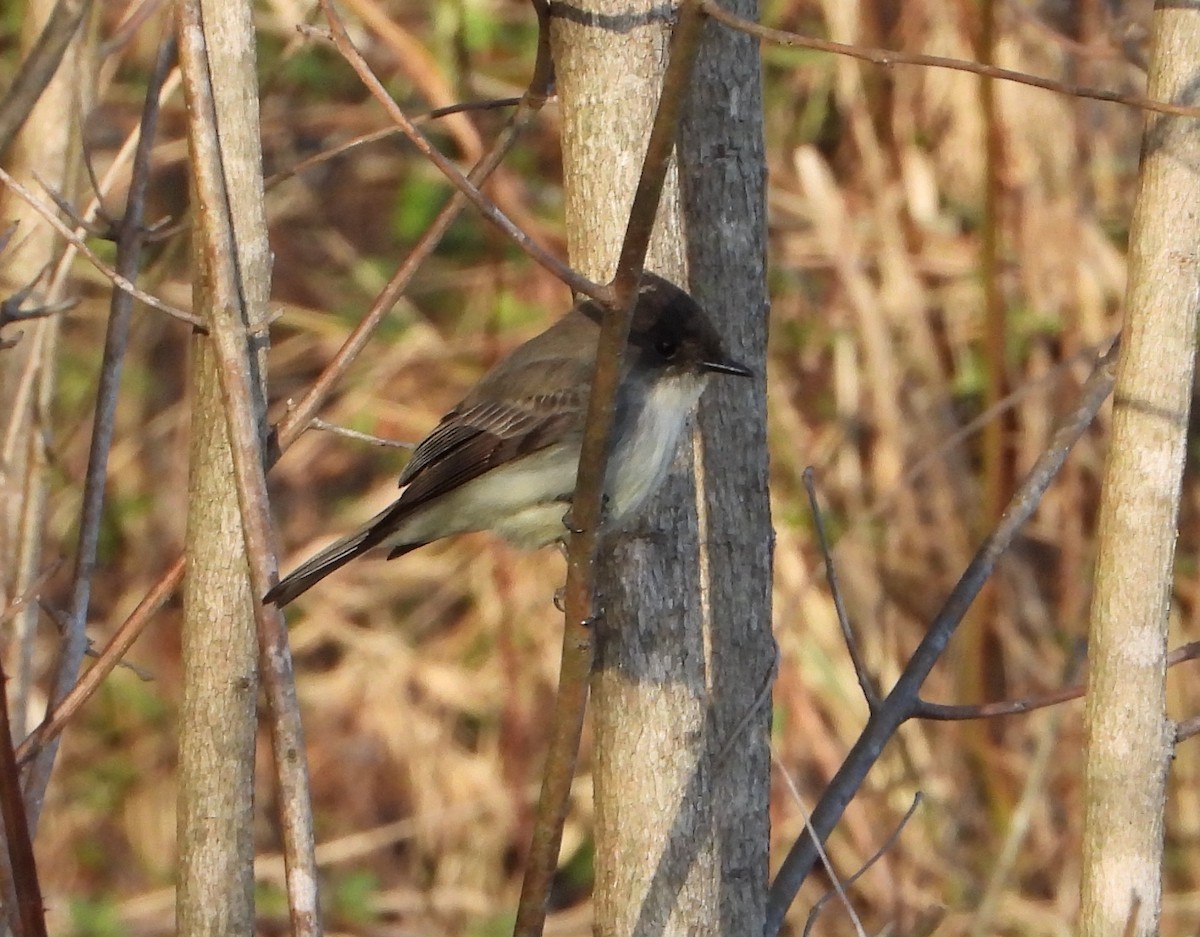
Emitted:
pixel 506 457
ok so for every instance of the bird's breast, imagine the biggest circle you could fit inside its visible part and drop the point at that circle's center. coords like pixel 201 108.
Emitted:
pixel 646 446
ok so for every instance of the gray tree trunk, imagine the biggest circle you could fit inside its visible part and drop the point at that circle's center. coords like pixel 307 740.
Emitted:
pixel 723 177
pixel 1129 739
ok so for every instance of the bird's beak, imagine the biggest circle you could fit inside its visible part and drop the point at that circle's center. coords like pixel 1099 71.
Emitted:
pixel 728 367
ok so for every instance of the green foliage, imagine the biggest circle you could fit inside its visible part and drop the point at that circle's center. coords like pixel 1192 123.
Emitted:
pixel 513 313
pixel 579 872
pixel 97 917
pixel 270 900
pixel 419 200
pixel 353 895
pixel 498 925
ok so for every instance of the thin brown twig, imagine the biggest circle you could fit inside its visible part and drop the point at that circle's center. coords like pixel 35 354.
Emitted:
pixel 486 206
pixel 888 843
pixel 888 58
pixel 131 629
pixel 865 681
pixel 376 135
pixel 822 854
pixel 346 432
pixel 30 594
pixel 109 274
pixel 16 828
pixel 944 712
pixel 34 74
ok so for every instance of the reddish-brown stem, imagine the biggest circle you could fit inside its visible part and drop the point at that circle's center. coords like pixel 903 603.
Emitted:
pixel 888 58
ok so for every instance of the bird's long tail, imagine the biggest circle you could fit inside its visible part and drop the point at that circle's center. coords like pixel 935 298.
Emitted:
pixel 334 556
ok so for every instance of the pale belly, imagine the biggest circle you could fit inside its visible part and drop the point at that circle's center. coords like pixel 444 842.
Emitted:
pixel 526 501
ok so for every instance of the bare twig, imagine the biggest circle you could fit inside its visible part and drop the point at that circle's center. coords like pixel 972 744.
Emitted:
pixel 865 681
pixel 888 58
pixel 34 74
pixel 942 712
pixel 129 251
pixel 878 854
pixel 826 863
pixel 30 594
pixel 948 712
pixel 16 829
pixel 12 309
pixel 902 702
pixel 106 231
pixel 131 629
pixel 348 433
pixel 485 205
pixel 376 135
pixel 121 282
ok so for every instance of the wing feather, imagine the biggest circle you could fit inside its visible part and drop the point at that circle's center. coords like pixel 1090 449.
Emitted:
pixel 475 438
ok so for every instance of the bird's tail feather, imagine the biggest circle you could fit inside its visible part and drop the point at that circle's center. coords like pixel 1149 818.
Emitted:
pixel 333 557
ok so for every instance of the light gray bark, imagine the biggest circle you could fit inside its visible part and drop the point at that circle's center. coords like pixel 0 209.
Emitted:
pixel 1129 738
pixel 220 647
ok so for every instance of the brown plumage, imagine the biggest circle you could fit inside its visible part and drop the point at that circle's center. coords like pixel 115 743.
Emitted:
pixel 505 458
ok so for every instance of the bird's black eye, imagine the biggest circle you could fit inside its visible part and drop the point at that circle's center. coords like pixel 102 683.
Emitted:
pixel 667 347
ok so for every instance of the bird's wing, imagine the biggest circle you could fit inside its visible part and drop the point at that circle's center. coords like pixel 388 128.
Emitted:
pixel 480 434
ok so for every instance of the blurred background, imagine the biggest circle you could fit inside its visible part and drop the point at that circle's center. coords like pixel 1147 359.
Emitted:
pixel 426 683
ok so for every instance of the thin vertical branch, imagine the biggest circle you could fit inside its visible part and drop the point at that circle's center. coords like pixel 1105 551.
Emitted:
pixel 35 72
pixel 981 667
pixel 18 844
pixel 129 254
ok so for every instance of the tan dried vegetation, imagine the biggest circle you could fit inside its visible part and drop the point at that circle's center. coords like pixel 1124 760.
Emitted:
pixel 426 682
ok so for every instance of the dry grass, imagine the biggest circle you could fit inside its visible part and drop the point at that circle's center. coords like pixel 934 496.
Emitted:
pixel 426 682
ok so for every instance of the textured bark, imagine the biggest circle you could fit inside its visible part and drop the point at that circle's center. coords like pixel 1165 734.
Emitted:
pixel 723 176
pixel 220 648
pixel 220 680
pixel 1128 735
pixel 659 869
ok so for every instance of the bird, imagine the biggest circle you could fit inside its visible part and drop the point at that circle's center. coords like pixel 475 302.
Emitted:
pixel 506 457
